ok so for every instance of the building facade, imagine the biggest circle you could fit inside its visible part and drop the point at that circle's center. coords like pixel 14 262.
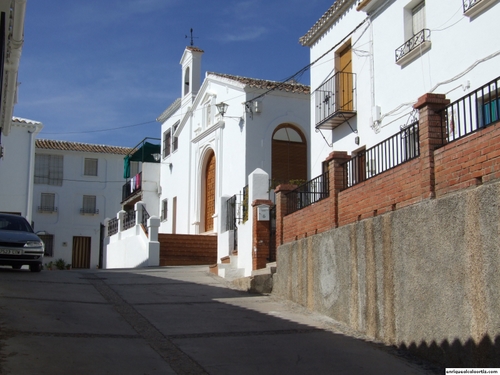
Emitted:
pixel 372 59
pixel 76 186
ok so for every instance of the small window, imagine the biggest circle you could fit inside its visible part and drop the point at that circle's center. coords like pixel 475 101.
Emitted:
pixel 47 202
pixel 49 169
pixel 89 205
pixel 164 209
pixel 167 139
pixel 48 241
pixel 90 168
pixel 418 18
pixel 175 140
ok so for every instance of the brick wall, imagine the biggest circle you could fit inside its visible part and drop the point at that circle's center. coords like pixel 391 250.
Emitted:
pixel 187 249
pixel 469 161
pixel 439 170
pixel 396 188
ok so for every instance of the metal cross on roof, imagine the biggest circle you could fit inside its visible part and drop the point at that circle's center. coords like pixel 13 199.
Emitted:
pixel 192 37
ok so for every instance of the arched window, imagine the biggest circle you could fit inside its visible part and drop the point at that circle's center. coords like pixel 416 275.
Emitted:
pixel 186 81
pixel 289 155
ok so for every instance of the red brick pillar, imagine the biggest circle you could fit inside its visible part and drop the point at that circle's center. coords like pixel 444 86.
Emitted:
pixel 281 204
pixel 337 181
pixel 261 234
pixel 431 137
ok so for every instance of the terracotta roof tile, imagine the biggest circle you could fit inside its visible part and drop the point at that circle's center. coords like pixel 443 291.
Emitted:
pixel 194 49
pixel 81 147
pixel 265 84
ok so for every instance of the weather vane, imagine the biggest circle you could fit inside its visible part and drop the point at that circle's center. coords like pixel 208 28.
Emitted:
pixel 192 37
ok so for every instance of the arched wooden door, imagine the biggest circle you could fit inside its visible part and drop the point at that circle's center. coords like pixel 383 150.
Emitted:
pixel 289 155
pixel 210 193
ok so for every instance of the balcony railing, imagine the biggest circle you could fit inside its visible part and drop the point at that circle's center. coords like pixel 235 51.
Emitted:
pixel 129 220
pixel 472 112
pixel 420 39
pixel 311 192
pixel 393 151
pixel 47 209
pixel 335 101
pixel 145 217
pixel 132 186
pixel 89 211
pixel 474 7
pixel 113 226
pixel 231 213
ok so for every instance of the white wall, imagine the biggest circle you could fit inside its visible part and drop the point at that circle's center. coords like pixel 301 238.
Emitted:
pixel 457 43
pixel 16 168
pixel 68 222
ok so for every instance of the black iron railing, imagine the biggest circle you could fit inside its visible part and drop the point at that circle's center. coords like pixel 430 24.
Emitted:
pixel 469 4
pixel 335 98
pixel 472 112
pixel 245 204
pixel 231 213
pixel 132 186
pixel 47 209
pixel 415 41
pixel 129 220
pixel 391 152
pixel 145 217
pixel 310 192
pixel 112 226
pixel 89 211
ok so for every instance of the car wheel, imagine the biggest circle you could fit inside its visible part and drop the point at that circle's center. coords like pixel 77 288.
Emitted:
pixel 17 266
pixel 35 267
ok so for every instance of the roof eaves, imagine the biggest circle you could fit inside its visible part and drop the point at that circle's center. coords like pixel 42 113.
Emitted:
pixel 172 108
pixel 80 147
pixel 326 20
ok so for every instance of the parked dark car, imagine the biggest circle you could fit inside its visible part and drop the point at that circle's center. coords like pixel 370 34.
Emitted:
pixel 19 245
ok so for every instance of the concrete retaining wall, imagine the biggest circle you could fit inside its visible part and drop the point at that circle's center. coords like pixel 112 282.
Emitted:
pixel 425 277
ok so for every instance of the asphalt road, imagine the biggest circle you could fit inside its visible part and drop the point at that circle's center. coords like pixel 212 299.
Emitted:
pixel 170 320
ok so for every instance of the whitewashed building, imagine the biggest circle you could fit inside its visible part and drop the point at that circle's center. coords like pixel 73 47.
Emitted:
pixel 76 186
pixel 17 167
pixel 207 155
pixel 17 136
pixel 372 59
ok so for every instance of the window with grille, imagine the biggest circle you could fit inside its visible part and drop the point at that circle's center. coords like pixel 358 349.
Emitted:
pixel 49 169
pixel 418 18
pixel 47 202
pixel 89 205
pixel 90 168
pixel 164 209
pixel 167 139
pixel 48 241
pixel 175 140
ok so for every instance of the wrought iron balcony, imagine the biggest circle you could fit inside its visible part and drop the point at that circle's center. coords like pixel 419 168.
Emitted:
pixel 89 211
pixel 47 209
pixel 418 43
pixel 335 101
pixel 473 7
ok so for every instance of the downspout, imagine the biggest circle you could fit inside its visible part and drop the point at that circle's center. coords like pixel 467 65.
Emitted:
pixel 12 63
pixel 31 157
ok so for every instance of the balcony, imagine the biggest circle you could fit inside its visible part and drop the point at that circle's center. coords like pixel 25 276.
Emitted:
pixel 413 47
pixel 474 7
pixel 89 211
pixel 132 187
pixel 47 209
pixel 335 101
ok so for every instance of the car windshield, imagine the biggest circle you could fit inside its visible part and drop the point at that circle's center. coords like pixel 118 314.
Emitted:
pixel 14 223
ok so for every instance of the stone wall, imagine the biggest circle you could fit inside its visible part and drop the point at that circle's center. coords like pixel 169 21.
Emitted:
pixel 424 277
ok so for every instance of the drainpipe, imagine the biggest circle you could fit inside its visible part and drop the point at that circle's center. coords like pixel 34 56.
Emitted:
pixel 12 63
pixel 29 198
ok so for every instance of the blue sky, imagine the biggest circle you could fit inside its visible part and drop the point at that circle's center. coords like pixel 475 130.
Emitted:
pixel 89 65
